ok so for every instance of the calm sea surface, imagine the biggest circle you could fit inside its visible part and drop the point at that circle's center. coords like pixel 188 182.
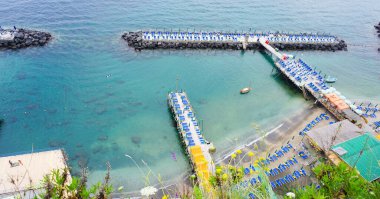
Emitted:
pixel 90 94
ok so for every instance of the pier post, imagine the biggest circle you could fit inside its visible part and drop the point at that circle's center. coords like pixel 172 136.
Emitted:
pixel 245 42
pixel 304 92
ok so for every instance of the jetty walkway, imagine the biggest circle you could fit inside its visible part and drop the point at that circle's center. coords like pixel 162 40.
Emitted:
pixel 239 41
pixel 310 82
pixel 197 148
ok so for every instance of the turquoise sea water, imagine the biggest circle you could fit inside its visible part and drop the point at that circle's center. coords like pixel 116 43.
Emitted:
pixel 90 94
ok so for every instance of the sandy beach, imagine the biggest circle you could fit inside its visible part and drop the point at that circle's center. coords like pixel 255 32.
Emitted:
pixel 286 132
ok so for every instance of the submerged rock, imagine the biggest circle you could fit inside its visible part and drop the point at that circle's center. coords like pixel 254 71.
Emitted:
pixel 57 143
pixel 103 138
pixel 136 140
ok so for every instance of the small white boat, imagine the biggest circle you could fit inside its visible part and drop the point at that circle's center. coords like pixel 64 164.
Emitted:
pixel 330 79
pixel 245 90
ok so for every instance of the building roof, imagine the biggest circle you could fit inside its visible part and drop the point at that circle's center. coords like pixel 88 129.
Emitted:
pixel 362 152
pixel 342 131
pixel 28 170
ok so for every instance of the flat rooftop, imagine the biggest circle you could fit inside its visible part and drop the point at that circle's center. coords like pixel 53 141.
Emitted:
pixel 333 134
pixel 363 153
pixel 21 172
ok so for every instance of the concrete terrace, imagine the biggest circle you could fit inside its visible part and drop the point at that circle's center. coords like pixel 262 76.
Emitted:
pixel 24 172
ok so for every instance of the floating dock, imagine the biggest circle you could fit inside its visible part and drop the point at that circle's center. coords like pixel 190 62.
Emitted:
pixel 239 41
pixel 310 82
pixel 197 148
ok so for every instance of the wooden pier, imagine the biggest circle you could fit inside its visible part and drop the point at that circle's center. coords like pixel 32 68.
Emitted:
pixel 197 148
pixel 312 84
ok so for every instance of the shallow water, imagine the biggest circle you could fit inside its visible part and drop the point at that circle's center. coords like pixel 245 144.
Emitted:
pixel 90 94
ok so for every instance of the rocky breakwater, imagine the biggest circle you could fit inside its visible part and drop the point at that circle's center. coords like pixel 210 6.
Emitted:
pixel 377 27
pixel 136 41
pixel 22 38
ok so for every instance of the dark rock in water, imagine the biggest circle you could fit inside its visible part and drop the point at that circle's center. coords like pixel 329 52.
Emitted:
pixel 202 101
pixel 136 140
pixel 378 49
pixel 32 106
pixel 103 138
pixel 115 147
pixel 79 145
pixel 21 76
pixel 13 120
pixel 51 111
pixel 83 162
pixel 99 149
pixel 57 143
pixel 100 111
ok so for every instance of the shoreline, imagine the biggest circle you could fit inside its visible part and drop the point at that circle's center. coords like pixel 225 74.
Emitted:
pixel 288 129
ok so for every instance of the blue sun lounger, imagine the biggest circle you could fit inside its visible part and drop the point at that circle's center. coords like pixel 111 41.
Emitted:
pixel 273 185
pixel 289 178
pixel 252 167
pixel 253 181
pixel 246 171
pixel 251 196
pixel 278 182
pixel 297 174
pixel 303 172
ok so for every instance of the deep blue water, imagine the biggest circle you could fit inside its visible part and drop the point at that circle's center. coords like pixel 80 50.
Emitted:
pixel 89 93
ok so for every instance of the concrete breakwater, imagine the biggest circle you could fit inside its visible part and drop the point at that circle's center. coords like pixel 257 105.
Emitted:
pixel 236 41
pixel 22 38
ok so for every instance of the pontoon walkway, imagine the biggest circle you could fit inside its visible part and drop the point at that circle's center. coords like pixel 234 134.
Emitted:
pixel 196 146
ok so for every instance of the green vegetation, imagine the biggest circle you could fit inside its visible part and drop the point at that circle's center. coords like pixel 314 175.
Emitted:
pixel 58 185
pixel 339 182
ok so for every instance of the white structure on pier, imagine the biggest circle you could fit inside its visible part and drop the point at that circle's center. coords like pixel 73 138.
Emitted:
pixel 6 36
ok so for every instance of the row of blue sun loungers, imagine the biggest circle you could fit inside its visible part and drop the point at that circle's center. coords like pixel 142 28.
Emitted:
pixel 277 154
pixel 288 179
pixel 303 155
pixel 282 167
pixel 253 181
pixel 313 123
pixel 186 126
pixel 212 36
pixel 303 74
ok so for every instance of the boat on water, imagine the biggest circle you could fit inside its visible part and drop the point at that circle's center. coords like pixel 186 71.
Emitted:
pixel 330 79
pixel 245 90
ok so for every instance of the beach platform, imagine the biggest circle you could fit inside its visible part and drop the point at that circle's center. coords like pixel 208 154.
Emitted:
pixel 23 173
pixel 190 133
pixel 311 83
pixel 228 40
pixel 275 37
